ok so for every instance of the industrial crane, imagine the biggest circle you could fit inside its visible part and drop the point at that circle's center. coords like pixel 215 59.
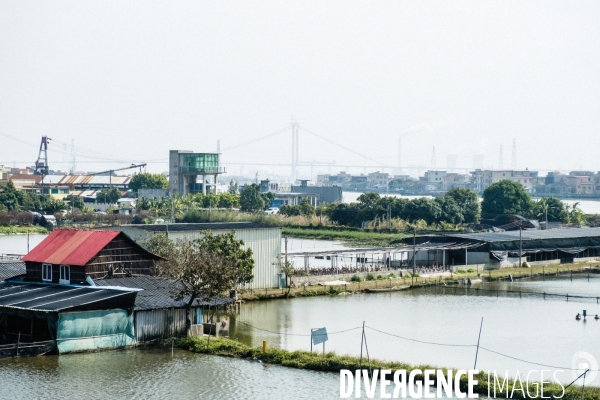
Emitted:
pixel 112 171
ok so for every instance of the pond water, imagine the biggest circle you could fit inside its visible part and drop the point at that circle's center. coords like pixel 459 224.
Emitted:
pixel 17 244
pixel 155 374
pixel 528 327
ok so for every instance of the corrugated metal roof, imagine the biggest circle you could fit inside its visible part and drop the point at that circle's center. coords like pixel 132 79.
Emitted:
pixel 157 293
pixel 11 269
pixel 52 298
pixel 70 246
pixel 200 226
pixel 533 234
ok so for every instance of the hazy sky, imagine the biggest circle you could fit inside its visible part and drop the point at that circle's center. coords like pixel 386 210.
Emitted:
pixel 130 80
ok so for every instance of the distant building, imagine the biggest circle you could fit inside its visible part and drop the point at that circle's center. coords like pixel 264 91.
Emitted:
pixel 186 167
pixel 325 194
pixel 378 180
pixel 482 179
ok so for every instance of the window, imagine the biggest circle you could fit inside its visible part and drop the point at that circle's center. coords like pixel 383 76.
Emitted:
pixel 47 272
pixel 65 275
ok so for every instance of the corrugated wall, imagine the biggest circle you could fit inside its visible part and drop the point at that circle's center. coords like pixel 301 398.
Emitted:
pixel 265 245
pixel 159 324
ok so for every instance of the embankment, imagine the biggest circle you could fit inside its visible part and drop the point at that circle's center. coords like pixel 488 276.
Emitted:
pixel 331 362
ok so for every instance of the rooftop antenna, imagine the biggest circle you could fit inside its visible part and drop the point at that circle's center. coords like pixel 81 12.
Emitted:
pixel 433 158
pixel 41 165
pixel 500 159
pixel 513 161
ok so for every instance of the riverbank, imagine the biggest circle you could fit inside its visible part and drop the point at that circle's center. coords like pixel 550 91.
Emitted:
pixel 389 279
pixel 22 230
pixel 331 362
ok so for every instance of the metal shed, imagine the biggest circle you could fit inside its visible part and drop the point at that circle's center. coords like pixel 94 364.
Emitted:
pixel 264 240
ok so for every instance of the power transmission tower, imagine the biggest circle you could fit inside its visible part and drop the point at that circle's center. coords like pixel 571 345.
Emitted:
pixel 73 162
pixel 513 161
pixel 295 134
pixel 399 155
pixel 433 158
pixel 500 159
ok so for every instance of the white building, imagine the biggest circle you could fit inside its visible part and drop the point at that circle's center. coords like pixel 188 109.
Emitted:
pixel 264 240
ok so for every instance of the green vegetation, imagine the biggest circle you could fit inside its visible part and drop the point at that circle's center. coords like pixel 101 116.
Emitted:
pixel 356 278
pixel 252 200
pixel 370 277
pixel 147 180
pixel 110 196
pixel 331 362
pixel 508 197
pixel 15 230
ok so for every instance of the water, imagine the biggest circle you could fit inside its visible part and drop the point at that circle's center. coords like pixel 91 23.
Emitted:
pixel 587 206
pixel 154 374
pixel 17 244
pixel 530 328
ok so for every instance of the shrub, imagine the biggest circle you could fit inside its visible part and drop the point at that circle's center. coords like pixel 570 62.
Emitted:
pixel 392 275
pixel 380 277
pixel 470 270
pixel 370 277
pixel 356 278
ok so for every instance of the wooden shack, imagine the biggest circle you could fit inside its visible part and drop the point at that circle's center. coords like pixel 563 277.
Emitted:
pixel 69 256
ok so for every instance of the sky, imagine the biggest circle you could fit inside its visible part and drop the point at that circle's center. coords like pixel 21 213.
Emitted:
pixel 125 82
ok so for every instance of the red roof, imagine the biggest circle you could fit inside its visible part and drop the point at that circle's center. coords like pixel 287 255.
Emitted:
pixel 70 246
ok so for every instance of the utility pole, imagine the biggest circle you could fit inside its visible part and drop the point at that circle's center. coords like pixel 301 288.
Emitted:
pixel 414 256
pixel 520 245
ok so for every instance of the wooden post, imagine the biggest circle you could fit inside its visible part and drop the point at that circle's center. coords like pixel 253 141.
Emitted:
pixel 265 347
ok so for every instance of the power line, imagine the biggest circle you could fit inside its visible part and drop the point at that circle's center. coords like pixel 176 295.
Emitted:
pixel 345 148
pixel 422 341
pixel 256 140
pixel 296 334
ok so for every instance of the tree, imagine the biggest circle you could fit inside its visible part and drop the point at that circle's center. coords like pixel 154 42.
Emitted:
pixel 146 180
pixel 422 209
pixel 52 206
pixel 75 201
pixel 467 201
pixel 449 211
pixel 110 196
pixel 506 197
pixel 251 199
pixel 574 215
pixel 233 187
pixel 206 267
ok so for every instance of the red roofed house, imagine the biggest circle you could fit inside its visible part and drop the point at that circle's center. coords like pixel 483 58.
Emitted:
pixel 68 256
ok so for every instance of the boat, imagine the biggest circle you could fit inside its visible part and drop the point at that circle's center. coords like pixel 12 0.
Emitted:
pixel 391 289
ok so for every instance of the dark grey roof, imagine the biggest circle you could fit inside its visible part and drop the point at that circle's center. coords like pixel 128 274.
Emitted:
pixel 11 269
pixel 509 236
pixel 157 293
pixel 200 226
pixel 53 298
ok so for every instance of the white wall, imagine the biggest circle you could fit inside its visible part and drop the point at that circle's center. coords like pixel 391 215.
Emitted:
pixel 264 242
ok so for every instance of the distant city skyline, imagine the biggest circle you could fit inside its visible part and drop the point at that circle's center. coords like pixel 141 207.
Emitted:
pixel 127 82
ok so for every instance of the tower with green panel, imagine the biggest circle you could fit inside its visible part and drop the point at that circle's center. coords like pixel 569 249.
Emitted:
pixel 193 172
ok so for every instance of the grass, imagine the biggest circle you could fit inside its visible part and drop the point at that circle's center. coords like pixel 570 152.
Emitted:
pixel 15 230
pixel 332 362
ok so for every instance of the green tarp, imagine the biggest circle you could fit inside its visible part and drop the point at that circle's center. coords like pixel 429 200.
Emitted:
pixel 91 330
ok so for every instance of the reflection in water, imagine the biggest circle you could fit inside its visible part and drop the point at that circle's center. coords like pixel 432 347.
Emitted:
pixel 529 328
pixel 154 374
